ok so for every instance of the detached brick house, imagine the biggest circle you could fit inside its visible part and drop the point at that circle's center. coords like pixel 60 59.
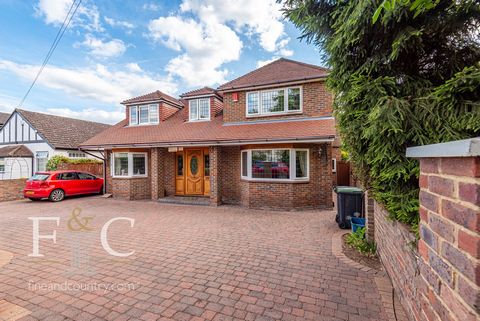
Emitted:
pixel 263 140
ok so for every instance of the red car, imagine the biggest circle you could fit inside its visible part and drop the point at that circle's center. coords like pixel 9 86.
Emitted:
pixel 56 185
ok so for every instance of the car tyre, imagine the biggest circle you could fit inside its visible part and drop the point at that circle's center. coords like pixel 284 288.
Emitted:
pixel 57 195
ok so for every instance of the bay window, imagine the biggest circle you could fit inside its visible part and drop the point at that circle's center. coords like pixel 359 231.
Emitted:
pixel 144 115
pixel 274 101
pixel 129 165
pixel 275 164
pixel 199 109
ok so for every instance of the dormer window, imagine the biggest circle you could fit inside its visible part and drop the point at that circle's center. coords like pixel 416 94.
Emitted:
pixel 199 109
pixel 144 115
pixel 274 101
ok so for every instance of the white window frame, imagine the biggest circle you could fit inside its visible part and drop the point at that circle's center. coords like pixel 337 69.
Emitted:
pixel 151 114
pixel 198 118
pixel 130 165
pixel 292 166
pixel 334 165
pixel 37 160
pixel 77 155
pixel 285 102
pixel 3 163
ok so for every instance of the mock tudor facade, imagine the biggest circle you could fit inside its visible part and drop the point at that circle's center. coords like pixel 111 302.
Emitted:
pixel 263 140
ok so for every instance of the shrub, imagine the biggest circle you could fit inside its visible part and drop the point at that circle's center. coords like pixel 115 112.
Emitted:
pixel 54 161
pixel 357 240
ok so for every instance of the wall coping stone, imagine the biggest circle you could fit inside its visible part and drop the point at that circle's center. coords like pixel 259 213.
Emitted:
pixel 459 148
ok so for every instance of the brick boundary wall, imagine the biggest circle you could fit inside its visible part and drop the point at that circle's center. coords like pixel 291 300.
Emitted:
pixel 11 189
pixel 440 278
pixel 93 168
pixel 397 251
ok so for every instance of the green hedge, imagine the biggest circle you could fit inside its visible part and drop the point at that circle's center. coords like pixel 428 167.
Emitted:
pixel 53 162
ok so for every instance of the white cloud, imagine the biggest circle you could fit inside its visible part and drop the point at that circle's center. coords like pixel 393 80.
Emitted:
pixel 133 67
pixel 261 63
pixel 103 49
pixel 205 47
pixel 262 18
pixel 119 23
pixel 99 83
pixel 92 114
pixel 151 6
pixel 55 11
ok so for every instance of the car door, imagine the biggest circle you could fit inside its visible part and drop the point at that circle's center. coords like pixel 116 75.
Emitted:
pixel 88 183
pixel 69 182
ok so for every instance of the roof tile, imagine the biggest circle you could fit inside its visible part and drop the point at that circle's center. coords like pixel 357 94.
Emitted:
pixel 153 96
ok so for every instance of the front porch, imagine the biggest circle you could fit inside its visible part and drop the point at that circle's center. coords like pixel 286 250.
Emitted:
pixel 290 177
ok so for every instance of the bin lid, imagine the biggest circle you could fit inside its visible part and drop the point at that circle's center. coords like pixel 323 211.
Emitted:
pixel 348 189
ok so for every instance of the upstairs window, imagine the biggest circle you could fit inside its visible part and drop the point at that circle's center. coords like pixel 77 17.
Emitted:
pixel 199 109
pixel 144 115
pixel 274 101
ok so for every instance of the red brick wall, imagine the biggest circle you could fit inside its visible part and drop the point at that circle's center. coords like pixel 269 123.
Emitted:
pixel 167 111
pixel 230 174
pixel 449 243
pixel 95 169
pixel 317 101
pixel 11 189
pixel 396 248
pixel 438 279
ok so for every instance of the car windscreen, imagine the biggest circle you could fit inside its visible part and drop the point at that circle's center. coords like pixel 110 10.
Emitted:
pixel 39 177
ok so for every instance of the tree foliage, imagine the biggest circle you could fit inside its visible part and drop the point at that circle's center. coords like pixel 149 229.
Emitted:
pixel 404 73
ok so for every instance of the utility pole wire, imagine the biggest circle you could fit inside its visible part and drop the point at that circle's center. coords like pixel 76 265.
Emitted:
pixel 61 31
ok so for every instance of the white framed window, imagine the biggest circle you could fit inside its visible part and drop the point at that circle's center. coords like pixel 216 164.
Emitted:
pixel 199 109
pixel 2 165
pixel 41 159
pixel 77 155
pixel 279 164
pixel 334 165
pixel 274 101
pixel 144 115
pixel 129 165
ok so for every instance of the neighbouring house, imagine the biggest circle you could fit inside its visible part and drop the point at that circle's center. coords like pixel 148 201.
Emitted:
pixel 3 118
pixel 28 139
pixel 263 140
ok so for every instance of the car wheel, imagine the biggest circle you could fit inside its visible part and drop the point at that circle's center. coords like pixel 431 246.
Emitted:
pixel 57 195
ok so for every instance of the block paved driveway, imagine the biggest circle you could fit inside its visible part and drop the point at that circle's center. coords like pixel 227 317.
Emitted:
pixel 190 263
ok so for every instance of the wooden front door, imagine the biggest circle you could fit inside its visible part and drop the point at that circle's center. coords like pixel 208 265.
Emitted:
pixel 194 180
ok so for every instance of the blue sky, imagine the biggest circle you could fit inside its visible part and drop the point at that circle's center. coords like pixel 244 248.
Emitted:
pixel 115 50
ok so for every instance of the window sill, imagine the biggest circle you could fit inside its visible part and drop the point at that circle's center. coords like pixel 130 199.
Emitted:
pixel 282 181
pixel 197 120
pixel 129 177
pixel 296 112
pixel 147 124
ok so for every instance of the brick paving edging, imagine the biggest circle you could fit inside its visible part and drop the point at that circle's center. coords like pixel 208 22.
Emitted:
pixel 382 281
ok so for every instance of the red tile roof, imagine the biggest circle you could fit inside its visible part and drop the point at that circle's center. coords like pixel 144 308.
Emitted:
pixel 280 71
pixel 3 118
pixel 153 96
pixel 175 131
pixel 200 92
pixel 62 132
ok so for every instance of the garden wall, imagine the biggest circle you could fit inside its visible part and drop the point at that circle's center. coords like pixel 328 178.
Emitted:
pixel 12 189
pixel 92 168
pixel 439 278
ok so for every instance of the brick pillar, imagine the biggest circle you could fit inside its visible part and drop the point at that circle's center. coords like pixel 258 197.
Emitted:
pixel 157 174
pixel 215 188
pixel 449 244
pixel 369 215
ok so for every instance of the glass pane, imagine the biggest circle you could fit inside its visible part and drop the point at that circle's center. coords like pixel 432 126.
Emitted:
pixel 194 165
pixel 271 164
pixel 85 176
pixel 294 99
pixel 139 166
pixel 193 109
pixel 41 159
pixel 67 176
pixel 244 164
pixel 154 113
pixel 2 164
pixel 144 114
pixel 207 164
pixel 179 165
pixel 301 163
pixel 273 101
pixel 252 102
pixel 121 164
pixel 204 108
pixel 133 115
